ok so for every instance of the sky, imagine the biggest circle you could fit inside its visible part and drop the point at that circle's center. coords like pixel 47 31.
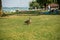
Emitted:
pixel 15 3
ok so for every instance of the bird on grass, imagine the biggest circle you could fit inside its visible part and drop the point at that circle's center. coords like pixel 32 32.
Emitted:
pixel 28 21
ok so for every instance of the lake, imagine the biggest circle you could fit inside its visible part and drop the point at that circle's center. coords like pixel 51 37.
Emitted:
pixel 12 9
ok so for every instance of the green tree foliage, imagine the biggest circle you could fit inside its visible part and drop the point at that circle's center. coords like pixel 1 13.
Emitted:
pixel 58 1
pixel 42 2
pixel 0 4
pixel 34 4
pixel 0 7
pixel 45 2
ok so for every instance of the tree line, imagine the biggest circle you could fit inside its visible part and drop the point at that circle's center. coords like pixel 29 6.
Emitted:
pixel 40 3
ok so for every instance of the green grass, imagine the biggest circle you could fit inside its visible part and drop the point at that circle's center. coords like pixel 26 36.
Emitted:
pixel 43 27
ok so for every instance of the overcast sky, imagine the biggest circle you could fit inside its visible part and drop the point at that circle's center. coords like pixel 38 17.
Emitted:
pixel 15 3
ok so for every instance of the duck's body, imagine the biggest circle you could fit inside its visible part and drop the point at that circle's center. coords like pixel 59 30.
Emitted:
pixel 28 21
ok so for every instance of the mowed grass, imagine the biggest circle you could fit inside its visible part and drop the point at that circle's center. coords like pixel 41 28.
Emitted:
pixel 43 27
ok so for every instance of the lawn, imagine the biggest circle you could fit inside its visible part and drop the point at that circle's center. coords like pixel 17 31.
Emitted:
pixel 43 27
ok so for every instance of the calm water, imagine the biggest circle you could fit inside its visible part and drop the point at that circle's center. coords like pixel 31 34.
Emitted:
pixel 10 9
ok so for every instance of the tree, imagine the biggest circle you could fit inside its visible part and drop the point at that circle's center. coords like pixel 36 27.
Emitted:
pixel 42 2
pixel 34 5
pixel 45 2
pixel 58 1
pixel 0 7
